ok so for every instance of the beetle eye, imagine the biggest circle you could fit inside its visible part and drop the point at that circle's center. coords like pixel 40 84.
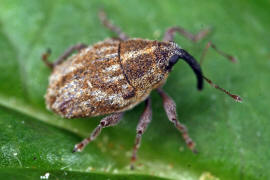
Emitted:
pixel 172 61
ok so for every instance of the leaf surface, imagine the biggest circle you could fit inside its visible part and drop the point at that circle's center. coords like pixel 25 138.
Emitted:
pixel 232 138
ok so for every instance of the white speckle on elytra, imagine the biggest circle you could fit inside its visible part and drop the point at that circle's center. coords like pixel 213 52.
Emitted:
pixel 125 86
pixel 89 84
pixel 108 56
pixel 85 51
pixel 107 48
pixel 114 78
pixel 133 54
pixel 99 95
pixel 65 70
pixel 89 49
pixel 114 67
pixel 117 99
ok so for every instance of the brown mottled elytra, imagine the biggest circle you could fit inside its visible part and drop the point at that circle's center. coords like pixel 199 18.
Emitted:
pixel 114 75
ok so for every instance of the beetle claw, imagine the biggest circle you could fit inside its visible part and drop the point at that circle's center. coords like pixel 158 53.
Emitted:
pixel 78 148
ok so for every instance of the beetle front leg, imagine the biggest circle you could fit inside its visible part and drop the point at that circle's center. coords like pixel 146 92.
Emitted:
pixel 63 57
pixel 108 24
pixel 210 44
pixel 170 108
pixel 107 121
pixel 141 127
pixel 169 36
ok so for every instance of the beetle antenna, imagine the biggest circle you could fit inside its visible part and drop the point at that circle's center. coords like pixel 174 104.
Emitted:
pixel 197 70
pixel 235 97
pixel 194 65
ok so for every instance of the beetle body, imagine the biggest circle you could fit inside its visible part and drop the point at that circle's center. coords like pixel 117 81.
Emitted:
pixel 108 77
pixel 114 75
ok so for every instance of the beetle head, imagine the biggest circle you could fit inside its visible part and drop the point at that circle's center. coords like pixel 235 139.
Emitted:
pixel 182 54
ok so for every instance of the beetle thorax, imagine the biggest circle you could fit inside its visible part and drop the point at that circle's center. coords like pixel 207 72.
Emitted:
pixel 110 76
pixel 145 62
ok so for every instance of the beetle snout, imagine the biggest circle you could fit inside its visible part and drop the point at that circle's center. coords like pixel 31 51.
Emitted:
pixel 194 65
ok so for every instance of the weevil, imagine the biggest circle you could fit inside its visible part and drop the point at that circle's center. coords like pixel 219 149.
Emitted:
pixel 114 75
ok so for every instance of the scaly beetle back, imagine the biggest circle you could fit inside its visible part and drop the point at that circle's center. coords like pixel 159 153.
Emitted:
pixel 110 76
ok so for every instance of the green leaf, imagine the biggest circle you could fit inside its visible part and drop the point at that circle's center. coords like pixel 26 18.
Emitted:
pixel 232 138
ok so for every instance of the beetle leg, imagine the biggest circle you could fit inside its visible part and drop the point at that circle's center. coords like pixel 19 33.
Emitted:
pixel 107 121
pixel 210 44
pixel 141 127
pixel 63 57
pixel 169 36
pixel 170 108
pixel 106 22
pixel 45 59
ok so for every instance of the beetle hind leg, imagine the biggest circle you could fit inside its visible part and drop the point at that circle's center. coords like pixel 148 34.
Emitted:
pixel 170 108
pixel 107 121
pixel 144 121
pixel 63 57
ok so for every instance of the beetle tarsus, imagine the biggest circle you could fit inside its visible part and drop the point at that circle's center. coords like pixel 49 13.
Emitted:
pixel 79 147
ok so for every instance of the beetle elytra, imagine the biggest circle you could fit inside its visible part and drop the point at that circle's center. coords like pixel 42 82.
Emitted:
pixel 112 76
